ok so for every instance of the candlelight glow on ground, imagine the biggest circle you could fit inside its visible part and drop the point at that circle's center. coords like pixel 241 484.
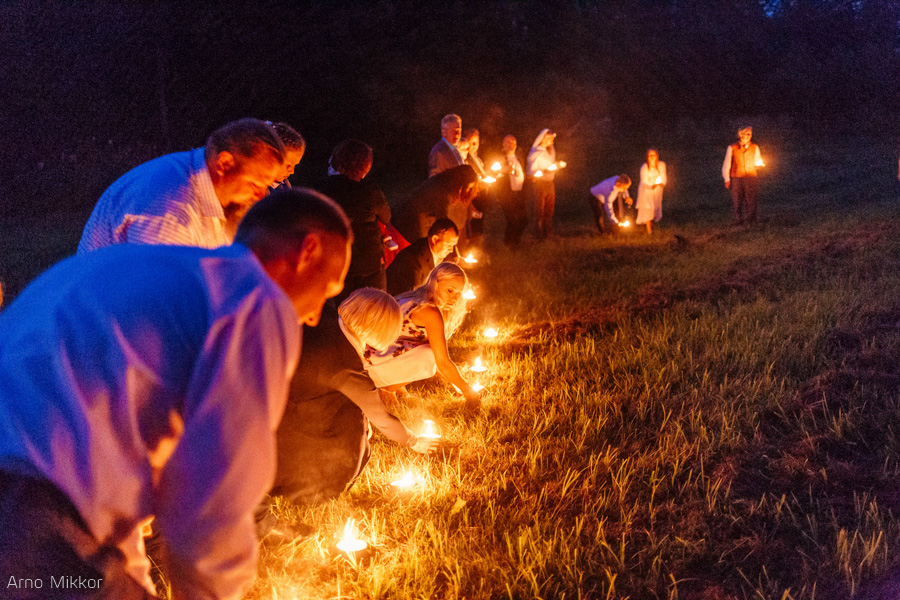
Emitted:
pixel 478 367
pixel 350 543
pixel 429 430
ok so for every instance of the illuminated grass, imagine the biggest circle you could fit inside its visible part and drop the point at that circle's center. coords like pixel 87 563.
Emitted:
pixel 700 440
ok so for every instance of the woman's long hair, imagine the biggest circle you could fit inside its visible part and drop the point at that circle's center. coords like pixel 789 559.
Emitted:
pixel 453 317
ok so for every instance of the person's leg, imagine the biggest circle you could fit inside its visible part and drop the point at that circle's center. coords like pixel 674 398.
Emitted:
pixel 539 208
pixel 737 198
pixel 549 207
pixel 46 547
pixel 596 205
pixel 752 185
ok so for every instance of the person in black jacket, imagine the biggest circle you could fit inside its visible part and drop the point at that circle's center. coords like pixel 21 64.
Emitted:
pixel 412 265
pixel 364 204
pixel 323 438
pixel 446 195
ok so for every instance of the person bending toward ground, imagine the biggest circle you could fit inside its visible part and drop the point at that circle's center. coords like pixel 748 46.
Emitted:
pixel 294 149
pixel 366 206
pixel 431 314
pixel 412 265
pixel 323 439
pixel 143 380
pixel 192 198
pixel 446 195
pixel 608 202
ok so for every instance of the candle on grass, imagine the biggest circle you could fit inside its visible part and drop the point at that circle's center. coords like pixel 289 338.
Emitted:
pixel 490 332
pixel 405 482
pixel 469 294
pixel 429 430
pixel 350 543
pixel 478 367
pixel 471 260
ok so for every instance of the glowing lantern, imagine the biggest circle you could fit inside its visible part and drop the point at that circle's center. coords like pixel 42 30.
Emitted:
pixel 490 332
pixel 478 367
pixel 350 543
pixel 429 430
pixel 495 167
pixel 405 482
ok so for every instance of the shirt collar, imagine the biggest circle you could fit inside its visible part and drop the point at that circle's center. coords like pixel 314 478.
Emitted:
pixel 203 186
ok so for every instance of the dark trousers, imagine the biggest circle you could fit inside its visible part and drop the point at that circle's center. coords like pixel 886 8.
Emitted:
pixel 516 213
pixel 44 542
pixel 744 191
pixel 544 204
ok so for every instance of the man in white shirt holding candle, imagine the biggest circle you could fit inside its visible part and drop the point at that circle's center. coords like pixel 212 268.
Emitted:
pixel 739 172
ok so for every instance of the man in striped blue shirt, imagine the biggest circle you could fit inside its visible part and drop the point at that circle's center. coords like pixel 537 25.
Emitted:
pixel 192 198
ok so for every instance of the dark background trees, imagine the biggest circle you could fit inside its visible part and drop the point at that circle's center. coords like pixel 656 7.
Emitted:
pixel 90 89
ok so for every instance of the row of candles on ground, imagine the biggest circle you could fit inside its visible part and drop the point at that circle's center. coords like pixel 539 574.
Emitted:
pixel 496 169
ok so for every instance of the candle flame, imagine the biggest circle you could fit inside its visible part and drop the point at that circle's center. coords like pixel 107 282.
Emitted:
pixel 478 367
pixel 477 386
pixel 495 167
pixel 538 173
pixel 488 179
pixel 429 430
pixel 627 224
pixel 468 294
pixel 658 180
pixel 562 164
pixel 470 259
pixel 552 167
pixel 490 332
pixel 350 543
pixel 760 163
pixel 407 481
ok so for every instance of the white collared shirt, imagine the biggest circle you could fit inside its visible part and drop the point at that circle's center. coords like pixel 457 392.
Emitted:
pixel 168 200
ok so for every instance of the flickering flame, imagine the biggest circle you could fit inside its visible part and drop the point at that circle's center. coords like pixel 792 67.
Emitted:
pixel 490 332
pixel 477 386
pixel 538 173
pixel 350 543
pixel 760 163
pixel 658 180
pixel 552 167
pixel 470 259
pixel 562 164
pixel 488 179
pixel 469 294
pixel 626 223
pixel 495 167
pixel 407 481
pixel 429 430
pixel 478 367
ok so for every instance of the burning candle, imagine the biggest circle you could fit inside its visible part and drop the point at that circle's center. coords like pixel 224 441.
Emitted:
pixel 552 167
pixel 429 430
pixel 405 482
pixel 490 332
pixel 495 167
pixel 538 173
pixel 350 543
pixel 627 223
pixel 760 163
pixel 658 180
pixel 477 386
pixel 488 179
pixel 478 367
pixel 562 164
pixel 470 259
pixel 469 294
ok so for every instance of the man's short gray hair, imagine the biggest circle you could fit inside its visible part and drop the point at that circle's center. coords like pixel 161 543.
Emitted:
pixel 451 119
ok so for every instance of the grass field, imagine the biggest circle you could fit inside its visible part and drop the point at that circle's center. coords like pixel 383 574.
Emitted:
pixel 709 413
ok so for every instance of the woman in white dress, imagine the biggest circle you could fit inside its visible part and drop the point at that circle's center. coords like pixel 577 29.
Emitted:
pixel 650 190
pixel 431 313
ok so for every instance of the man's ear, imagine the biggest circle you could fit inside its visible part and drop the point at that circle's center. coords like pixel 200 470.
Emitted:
pixel 311 251
pixel 225 162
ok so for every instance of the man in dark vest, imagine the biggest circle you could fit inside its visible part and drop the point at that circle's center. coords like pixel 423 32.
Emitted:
pixel 739 171
pixel 412 265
